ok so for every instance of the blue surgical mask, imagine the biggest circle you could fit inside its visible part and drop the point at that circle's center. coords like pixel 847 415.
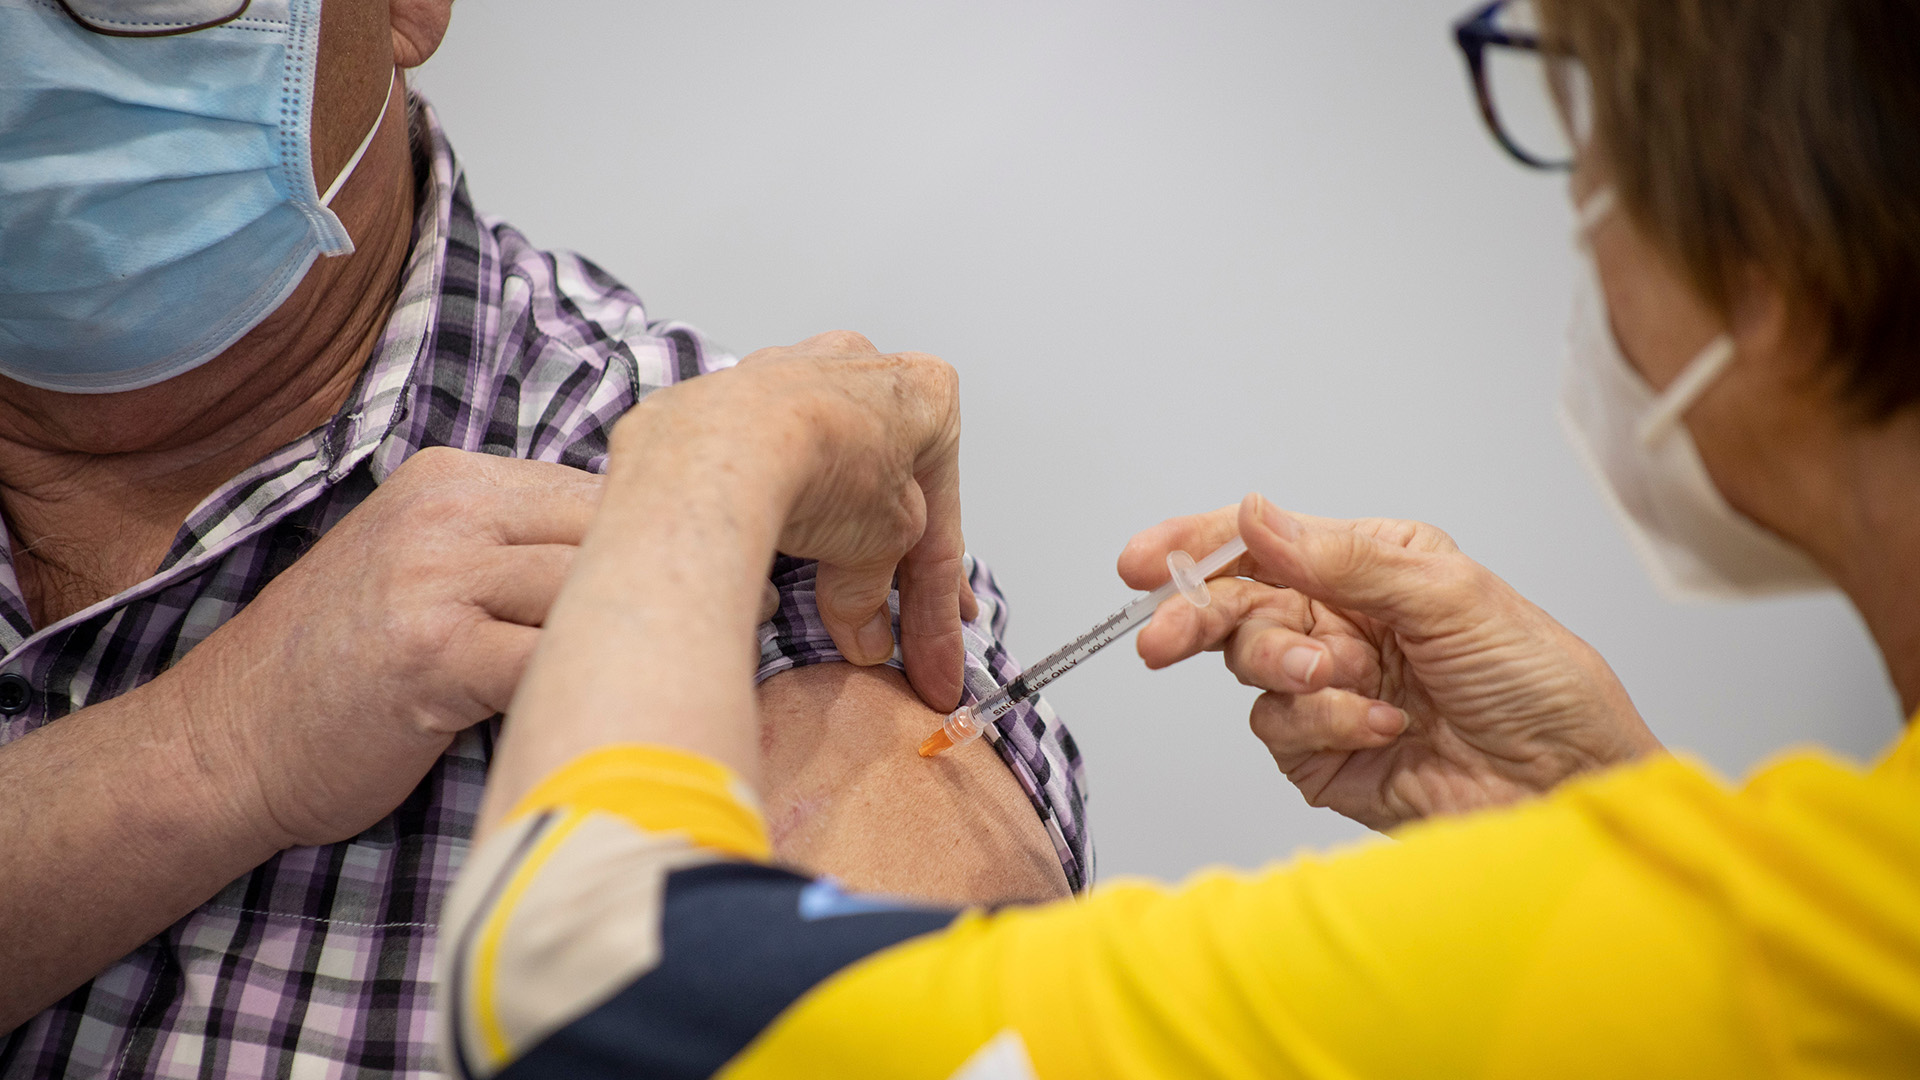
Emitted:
pixel 157 197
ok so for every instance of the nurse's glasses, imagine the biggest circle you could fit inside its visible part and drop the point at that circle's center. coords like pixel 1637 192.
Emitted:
pixel 1535 99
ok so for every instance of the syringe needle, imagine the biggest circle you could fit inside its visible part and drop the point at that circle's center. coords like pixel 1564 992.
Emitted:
pixel 1187 578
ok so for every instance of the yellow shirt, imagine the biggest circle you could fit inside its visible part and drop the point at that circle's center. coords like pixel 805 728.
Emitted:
pixel 1648 922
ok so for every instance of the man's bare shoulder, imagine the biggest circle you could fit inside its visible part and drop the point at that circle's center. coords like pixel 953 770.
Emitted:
pixel 847 795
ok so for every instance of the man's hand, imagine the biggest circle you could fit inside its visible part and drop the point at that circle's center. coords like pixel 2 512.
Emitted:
pixel 1403 679
pixel 323 703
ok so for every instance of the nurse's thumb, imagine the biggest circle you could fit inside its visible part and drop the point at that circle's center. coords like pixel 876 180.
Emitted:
pixel 1342 565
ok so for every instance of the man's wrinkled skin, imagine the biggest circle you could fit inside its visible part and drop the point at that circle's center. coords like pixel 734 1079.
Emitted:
pixel 312 713
pixel 831 765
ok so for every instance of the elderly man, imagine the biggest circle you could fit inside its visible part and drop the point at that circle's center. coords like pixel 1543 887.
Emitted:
pixel 295 449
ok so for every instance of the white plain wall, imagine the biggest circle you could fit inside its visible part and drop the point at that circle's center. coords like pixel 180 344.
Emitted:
pixel 1178 252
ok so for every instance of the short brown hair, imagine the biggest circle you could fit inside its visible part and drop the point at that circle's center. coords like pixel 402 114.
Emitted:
pixel 1782 134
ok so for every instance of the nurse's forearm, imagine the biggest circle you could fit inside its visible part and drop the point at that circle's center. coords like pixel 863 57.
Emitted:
pixel 652 637
pixel 829 449
pixel 113 832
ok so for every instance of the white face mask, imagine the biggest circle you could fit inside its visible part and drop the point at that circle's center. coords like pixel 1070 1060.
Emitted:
pixel 1694 544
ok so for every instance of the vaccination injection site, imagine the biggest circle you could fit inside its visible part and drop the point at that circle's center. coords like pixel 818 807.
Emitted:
pixel 430 650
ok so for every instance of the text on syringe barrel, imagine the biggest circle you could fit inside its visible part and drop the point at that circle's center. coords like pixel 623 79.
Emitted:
pixel 1030 681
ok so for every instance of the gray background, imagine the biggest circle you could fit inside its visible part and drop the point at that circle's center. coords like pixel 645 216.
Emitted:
pixel 1178 252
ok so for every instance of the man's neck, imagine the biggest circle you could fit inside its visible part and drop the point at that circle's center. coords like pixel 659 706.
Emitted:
pixel 95 487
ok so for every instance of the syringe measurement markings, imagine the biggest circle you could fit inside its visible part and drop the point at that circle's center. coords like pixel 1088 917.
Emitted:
pixel 1030 681
pixel 965 723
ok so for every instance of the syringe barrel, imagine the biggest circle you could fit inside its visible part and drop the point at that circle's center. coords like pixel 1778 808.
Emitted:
pixel 1063 660
pixel 967 722
pixel 997 704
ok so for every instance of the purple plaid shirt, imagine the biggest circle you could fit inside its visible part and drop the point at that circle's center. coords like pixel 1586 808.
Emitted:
pixel 320 961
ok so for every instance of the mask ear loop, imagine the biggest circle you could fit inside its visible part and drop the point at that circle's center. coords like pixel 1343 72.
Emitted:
pixel 340 181
pixel 1598 206
pixel 1699 373
pixel 1685 390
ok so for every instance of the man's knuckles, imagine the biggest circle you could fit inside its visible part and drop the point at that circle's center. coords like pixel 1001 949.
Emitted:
pixel 430 465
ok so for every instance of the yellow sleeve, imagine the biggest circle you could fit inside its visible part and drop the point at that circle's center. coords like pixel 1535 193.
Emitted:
pixel 565 903
pixel 1649 922
pixel 660 790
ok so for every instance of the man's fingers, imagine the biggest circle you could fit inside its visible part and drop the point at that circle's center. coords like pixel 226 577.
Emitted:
pixel 533 502
pixel 1294 726
pixel 437 464
pixel 486 662
pixel 517 583
pixel 1347 566
pixel 1143 563
pixel 507 499
pixel 556 513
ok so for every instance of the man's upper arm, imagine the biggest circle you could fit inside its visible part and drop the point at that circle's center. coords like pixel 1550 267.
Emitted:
pixel 846 794
pixel 841 756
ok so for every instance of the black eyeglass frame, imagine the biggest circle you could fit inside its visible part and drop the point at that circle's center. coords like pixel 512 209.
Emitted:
pixel 1475 32
pixel 93 27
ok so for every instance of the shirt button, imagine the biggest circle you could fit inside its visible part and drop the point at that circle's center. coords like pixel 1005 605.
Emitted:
pixel 16 693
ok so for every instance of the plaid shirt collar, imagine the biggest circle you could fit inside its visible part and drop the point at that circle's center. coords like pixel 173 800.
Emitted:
pixel 296 473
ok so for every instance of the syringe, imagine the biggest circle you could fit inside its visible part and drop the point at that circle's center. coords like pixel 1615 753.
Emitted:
pixel 1188 579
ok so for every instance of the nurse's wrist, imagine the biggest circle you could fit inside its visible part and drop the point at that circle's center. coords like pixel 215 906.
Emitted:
pixel 1632 739
pixel 706 443
pixel 1640 745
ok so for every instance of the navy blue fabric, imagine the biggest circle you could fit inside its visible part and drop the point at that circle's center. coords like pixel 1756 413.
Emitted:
pixel 736 951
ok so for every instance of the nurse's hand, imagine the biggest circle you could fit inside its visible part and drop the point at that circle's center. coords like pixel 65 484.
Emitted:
pixel 864 450
pixel 824 450
pixel 1402 678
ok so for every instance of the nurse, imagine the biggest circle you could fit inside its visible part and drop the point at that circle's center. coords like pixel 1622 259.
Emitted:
pixel 1744 366
pixel 1562 898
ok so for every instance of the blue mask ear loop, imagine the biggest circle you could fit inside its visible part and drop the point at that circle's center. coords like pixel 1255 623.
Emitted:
pixel 346 171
